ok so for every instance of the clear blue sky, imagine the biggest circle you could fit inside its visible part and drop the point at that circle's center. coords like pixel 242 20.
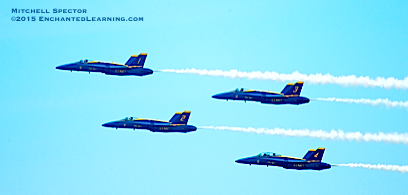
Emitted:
pixel 52 141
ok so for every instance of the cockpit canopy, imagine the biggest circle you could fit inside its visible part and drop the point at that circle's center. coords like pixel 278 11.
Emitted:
pixel 239 90
pixel 268 154
pixel 128 119
pixel 83 61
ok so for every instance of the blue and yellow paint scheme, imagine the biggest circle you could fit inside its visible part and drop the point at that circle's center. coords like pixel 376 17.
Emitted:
pixel 289 95
pixel 311 160
pixel 133 67
pixel 178 123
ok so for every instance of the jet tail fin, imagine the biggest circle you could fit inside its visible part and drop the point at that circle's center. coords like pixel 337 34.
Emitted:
pixel 180 117
pixel 293 88
pixel 137 60
pixel 314 155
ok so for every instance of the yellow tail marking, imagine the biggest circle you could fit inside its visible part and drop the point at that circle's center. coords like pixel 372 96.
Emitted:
pixel 296 89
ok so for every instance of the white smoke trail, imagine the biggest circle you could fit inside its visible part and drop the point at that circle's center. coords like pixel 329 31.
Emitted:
pixel 399 168
pixel 394 137
pixel 318 78
pixel 376 102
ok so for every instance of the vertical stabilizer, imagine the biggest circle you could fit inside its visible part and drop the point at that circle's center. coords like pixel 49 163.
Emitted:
pixel 314 155
pixel 180 118
pixel 293 89
pixel 287 88
pixel 137 60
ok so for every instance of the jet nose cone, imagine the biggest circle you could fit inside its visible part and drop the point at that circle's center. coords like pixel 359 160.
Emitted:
pixel 220 96
pixel 70 66
pixel 107 124
pixel 64 67
pixel 240 161
pixel 224 96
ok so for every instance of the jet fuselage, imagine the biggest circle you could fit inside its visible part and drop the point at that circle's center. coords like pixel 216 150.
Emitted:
pixel 312 160
pixel 152 125
pixel 106 67
pixel 262 96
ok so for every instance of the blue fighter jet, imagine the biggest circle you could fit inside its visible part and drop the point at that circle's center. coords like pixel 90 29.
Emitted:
pixel 289 95
pixel 312 160
pixel 134 66
pixel 178 123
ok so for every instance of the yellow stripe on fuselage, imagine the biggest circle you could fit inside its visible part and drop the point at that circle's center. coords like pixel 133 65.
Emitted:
pixel 94 62
pixel 177 124
pixel 292 157
pixel 143 119
pixel 250 90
